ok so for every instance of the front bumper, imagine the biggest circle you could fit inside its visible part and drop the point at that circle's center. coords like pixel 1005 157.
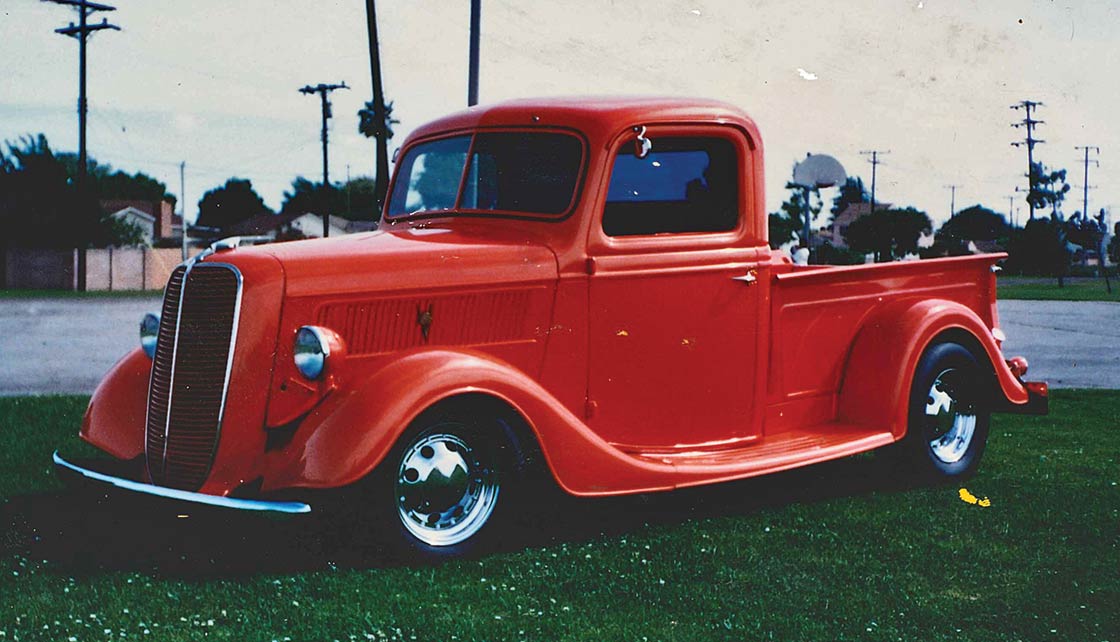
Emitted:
pixel 72 473
pixel 1038 401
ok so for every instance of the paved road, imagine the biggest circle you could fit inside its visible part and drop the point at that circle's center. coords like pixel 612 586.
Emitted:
pixel 65 345
pixel 1069 344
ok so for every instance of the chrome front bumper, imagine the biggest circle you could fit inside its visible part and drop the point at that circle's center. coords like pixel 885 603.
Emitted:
pixel 93 477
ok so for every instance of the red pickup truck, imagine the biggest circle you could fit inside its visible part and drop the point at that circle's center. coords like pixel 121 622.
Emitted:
pixel 577 289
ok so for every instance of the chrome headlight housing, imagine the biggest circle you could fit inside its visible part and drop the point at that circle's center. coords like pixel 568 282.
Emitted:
pixel 311 351
pixel 149 333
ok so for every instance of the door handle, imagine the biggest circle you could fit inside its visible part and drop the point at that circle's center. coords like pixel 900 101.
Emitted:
pixel 750 278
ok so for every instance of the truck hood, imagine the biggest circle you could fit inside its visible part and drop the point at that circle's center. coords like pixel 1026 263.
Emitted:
pixel 411 258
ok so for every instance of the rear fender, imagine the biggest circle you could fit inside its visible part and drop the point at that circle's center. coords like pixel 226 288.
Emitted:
pixel 876 386
pixel 344 439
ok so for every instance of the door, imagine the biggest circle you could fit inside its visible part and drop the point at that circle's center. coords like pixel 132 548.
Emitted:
pixel 675 295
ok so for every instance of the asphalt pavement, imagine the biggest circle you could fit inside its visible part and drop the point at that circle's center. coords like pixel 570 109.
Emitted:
pixel 67 344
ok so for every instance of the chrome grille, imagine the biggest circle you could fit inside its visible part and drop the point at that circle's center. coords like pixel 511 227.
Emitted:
pixel 190 373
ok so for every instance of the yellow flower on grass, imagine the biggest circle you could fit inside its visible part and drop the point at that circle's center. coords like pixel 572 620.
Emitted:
pixel 969 498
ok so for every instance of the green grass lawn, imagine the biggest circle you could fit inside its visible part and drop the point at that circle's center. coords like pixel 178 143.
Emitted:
pixel 833 552
pixel 1046 289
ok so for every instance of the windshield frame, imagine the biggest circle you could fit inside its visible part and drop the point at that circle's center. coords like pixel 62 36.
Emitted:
pixel 457 210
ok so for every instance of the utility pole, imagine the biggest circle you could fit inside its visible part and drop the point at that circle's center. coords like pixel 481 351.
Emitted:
pixel 1085 184
pixel 952 199
pixel 1030 142
pixel 324 89
pixel 472 75
pixel 874 154
pixel 81 32
pixel 1011 210
pixel 183 206
pixel 381 175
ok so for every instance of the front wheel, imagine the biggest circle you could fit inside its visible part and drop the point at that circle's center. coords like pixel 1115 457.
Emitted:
pixel 452 484
pixel 949 417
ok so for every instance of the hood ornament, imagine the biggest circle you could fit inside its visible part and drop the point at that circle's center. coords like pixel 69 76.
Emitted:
pixel 424 320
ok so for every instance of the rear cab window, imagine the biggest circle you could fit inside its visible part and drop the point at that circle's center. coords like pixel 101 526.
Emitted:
pixel 684 185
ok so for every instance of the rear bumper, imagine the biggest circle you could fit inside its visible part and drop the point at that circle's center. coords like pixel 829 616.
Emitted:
pixel 1038 401
pixel 74 474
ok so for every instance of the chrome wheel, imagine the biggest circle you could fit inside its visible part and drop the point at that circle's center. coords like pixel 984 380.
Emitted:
pixel 446 490
pixel 950 419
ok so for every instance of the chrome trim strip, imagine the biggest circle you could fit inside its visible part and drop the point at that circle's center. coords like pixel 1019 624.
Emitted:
pixel 229 359
pixel 171 377
pixel 186 496
pixel 152 375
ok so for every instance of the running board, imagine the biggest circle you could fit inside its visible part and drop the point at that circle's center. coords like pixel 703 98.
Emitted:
pixel 776 452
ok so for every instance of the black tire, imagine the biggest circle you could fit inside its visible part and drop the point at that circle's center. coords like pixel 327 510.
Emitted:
pixel 949 414
pixel 479 463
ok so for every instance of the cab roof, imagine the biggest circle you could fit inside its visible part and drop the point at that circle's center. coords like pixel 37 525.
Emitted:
pixel 593 115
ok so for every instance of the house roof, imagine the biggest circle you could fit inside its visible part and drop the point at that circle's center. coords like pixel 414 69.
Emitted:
pixel 260 224
pixel 857 210
pixel 133 211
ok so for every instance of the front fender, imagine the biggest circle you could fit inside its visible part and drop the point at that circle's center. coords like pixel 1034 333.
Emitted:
pixel 344 439
pixel 115 418
pixel 880 369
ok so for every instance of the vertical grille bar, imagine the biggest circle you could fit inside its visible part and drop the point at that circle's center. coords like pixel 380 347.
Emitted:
pixel 190 373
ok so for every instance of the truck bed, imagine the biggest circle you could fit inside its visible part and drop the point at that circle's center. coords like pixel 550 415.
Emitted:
pixel 816 312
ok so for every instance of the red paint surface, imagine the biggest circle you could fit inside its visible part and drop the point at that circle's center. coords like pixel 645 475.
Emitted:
pixel 639 363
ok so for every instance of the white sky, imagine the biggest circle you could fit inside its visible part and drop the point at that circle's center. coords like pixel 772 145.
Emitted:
pixel 215 83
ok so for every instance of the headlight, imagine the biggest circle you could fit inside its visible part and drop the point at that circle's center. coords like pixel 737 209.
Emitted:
pixel 149 332
pixel 311 351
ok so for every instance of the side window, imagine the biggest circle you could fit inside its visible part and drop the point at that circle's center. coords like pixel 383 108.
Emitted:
pixel 683 185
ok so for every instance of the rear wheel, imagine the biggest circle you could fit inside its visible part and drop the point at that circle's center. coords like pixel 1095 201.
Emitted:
pixel 949 417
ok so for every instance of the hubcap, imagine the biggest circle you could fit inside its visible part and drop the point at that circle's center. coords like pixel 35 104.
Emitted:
pixel 951 420
pixel 445 491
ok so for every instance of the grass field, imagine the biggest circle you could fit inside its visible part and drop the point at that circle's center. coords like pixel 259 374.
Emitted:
pixel 1040 289
pixel 833 552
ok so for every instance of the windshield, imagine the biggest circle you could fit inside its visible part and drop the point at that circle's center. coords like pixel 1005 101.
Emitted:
pixel 505 173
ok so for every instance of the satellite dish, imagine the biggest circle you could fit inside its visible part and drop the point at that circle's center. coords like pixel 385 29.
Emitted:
pixel 819 170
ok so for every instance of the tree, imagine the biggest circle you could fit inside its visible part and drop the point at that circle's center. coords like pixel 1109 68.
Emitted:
pixel 1048 188
pixel 782 229
pixel 231 203
pixel 1114 244
pixel 851 192
pixel 976 223
pixel 311 197
pixel 889 234
pixel 354 200
pixel 109 184
pixel 41 206
pixel 361 198
pixel 1040 249
pixel 378 124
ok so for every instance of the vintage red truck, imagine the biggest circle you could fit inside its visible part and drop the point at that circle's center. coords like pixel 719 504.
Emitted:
pixel 580 289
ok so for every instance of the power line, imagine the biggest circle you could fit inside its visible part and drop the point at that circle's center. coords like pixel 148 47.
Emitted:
pixel 1085 185
pixel 875 162
pixel 81 32
pixel 1030 142
pixel 324 89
